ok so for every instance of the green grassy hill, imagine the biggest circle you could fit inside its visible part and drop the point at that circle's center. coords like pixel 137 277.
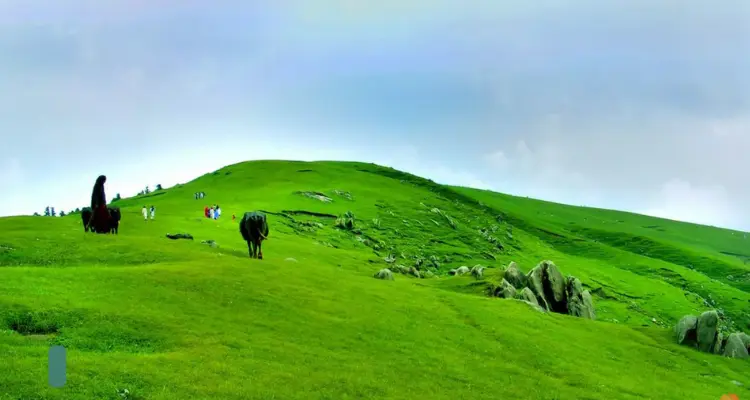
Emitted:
pixel 178 319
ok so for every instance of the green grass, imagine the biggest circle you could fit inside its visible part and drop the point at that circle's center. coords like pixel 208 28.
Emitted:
pixel 179 319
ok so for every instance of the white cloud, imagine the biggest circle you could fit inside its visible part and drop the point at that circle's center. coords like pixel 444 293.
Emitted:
pixel 680 200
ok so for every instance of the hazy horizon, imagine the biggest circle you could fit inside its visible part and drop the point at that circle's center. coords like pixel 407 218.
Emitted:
pixel 627 105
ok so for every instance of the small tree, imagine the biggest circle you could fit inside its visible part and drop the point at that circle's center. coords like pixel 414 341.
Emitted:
pixel 77 210
pixel 52 211
pixel 46 211
pixel 147 190
pixel 158 186
pixel 62 213
pixel 116 198
pixel 36 214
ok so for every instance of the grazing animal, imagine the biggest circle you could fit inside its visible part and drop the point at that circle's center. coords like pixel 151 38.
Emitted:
pixel 86 217
pixel 114 219
pixel 254 229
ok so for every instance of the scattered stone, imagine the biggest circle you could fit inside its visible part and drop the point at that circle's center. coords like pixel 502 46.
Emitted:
pixel 428 274
pixel 414 272
pixel 384 274
pixel 505 290
pixel 462 270
pixel 452 272
pixel 290 259
pixel 343 194
pixel 514 276
pixel 210 243
pixel 317 196
pixel 346 221
pixel 401 269
pixel 477 272
pixel 735 347
pixel 707 330
pixel 176 236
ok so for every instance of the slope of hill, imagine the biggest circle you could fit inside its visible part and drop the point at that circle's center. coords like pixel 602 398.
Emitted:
pixel 180 319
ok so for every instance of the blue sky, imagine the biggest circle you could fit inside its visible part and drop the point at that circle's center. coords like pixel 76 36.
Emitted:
pixel 635 105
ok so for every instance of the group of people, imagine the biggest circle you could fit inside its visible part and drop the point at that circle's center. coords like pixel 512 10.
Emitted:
pixel 213 212
pixel 145 211
pixel 199 195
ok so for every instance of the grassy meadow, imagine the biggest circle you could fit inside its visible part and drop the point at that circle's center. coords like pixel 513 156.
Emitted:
pixel 146 317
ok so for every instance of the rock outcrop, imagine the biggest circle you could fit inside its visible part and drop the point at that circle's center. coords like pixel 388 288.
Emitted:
pixel 703 333
pixel 477 271
pixel 545 288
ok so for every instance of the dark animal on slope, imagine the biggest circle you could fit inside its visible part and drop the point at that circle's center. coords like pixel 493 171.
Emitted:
pixel 100 215
pixel 86 217
pixel 254 229
pixel 114 219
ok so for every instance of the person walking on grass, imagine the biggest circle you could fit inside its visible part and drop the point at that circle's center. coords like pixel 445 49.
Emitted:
pixel 153 212
pixel 144 211
pixel 218 212
pixel 212 213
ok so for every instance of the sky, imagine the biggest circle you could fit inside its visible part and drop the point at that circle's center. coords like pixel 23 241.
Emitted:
pixel 634 105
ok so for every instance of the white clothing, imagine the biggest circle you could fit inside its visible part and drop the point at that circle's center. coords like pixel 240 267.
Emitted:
pixel 145 213
pixel 211 213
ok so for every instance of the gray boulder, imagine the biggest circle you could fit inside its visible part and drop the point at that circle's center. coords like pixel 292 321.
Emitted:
pixel 579 301
pixel 505 290
pixel 413 271
pixel 477 271
pixel 555 287
pixel 384 274
pixel 735 346
pixel 535 283
pixel 513 275
pixel 588 303
pixel 452 272
pixel 527 295
pixel 548 285
pixel 707 331
pixel 462 270
pixel 685 330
